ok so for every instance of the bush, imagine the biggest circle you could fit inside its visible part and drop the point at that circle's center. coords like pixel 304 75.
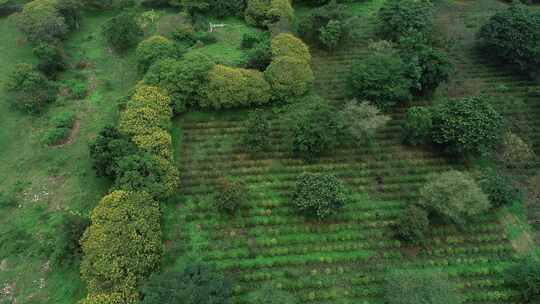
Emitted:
pixel 28 90
pixel 418 126
pixel 257 130
pixel 313 128
pixel 109 146
pixel 524 277
pixel 514 35
pixel 122 32
pixel 251 39
pixel 289 77
pixel 230 196
pixel 290 46
pixel 235 87
pixel 67 250
pixel 183 79
pixel 516 152
pixel 499 189
pixel 225 8
pixel 76 89
pixel 51 59
pixel 263 13
pixel 413 287
pixel 318 195
pixel 399 18
pixel 195 284
pixel 153 49
pixel 454 196
pixel 331 34
pixel 467 126
pixel 381 77
pixel 413 225
pixel 125 297
pixel 270 295
pixel 61 126
pixel 42 22
pixel 260 56
pixel 362 120
pixel 157 143
pixel 121 218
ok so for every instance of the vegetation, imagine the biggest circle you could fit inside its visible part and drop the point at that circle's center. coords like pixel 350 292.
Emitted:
pixel 258 127
pixel 400 18
pixel 28 90
pixel 231 196
pixel 525 277
pixel 362 120
pixel 154 49
pixel 413 225
pixel 122 32
pixel 318 195
pixel 418 125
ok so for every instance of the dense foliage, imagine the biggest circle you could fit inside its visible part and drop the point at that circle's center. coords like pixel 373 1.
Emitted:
pixel 258 128
pixel 318 195
pixel 398 18
pixel 499 189
pixel 362 120
pixel 29 90
pixel 264 13
pixel 123 244
pixel 290 46
pixel 230 196
pixel 153 49
pixel 413 287
pixel 289 77
pixel 454 196
pixel 525 277
pixel 418 125
pixel 51 58
pixel 122 31
pixel 413 223
pixel 514 35
pixel 107 148
pixel 195 284
pixel 467 126
pixel 42 21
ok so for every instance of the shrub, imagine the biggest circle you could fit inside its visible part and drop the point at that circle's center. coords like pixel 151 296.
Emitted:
pixel 61 126
pixel 235 87
pixel 109 146
pixel 121 218
pixel 41 21
pixel 225 8
pixel 524 277
pixel 153 49
pixel 280 10
pixel 454 196
pixel 381 77
pixel 418 125
pixel 143 121
pixel 499 189
pixel 182 79
pixel 125 297
pixel 270 295
pixel 257 130
pixel 362 120
pixel 260 56
pixel 157 143
pixel 195 284
pixel 467 126
pixel 122 31
pixel 67 249
pixel 289 77
pixel 398 18
pixel 413 287
pixel 514 35
pixel 76 89
pixel 28 90
pixel 412 225
pixel 251 39
pixel 331 34
pixel 153 174
pixel 262 13
pixel 290 46
pixel 516 152
pixel 318 195
pixel 313 128
pixel 230 196
pixel 51 59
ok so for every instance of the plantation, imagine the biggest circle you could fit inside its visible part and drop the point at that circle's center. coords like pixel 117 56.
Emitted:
pixel 269 151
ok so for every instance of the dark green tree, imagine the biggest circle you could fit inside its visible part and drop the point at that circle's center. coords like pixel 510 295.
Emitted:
pixel 318 195
pixel 122 32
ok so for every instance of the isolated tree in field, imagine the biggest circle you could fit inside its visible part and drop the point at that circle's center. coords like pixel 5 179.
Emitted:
pixel 258 128
pixel 122 31
pixel 230 196
pixel 454 196
pixel 28 90
pixel 270 295
pixel 362 120
pixel 195 284
pixel 467 126
pixel 413 224
pixel 418 126
pixel 123 244
pixel 318 195
pixel 514 35
pixel 525 278
pixel 41 21
pixel 420 286
pixel 153 49
pixel 398 18
pixel 381 77
pixel 499 189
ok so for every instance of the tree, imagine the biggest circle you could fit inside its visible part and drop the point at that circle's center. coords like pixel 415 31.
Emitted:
pixel 525 278
pixel 331 34
pixel 51 58
pixel 288 45
pixel 109 146
pixel 183 79
pixel 514 35
pixel 41 21
pixel 318 195
pixel 381 77
pixel 153 49
pixel 195 284
pixel 467 126
pixel 225 8
pixel 258 128
pixel 413 287
pixel 499 189
pixel 123 244
pixel 363 120
pixel 515 152
pixel 270 295
pixel 313 128
pixel 454 196
pixel 122 32
pixel 263 13
pixel 230 196
pixel 399 18
pixel 289 77
pixel 413 224
pixel 418 126
pixel 28 90
pixel 122 297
